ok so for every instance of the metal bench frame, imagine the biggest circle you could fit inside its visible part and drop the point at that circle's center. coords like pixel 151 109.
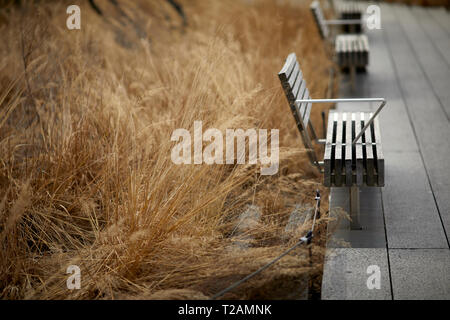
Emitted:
pixel 300 102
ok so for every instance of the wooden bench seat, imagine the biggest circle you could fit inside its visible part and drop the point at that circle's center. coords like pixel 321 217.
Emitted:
pixel 345 164
pixel 352 50
pixel 353 154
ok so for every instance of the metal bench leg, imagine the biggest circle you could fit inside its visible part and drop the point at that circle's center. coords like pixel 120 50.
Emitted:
pixel 354 208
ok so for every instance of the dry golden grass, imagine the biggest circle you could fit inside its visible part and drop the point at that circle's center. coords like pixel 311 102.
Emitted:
pixel 85 171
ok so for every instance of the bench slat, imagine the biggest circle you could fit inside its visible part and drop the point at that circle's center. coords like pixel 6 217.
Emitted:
pixel 287 68
pixel 345 51
pixel 328 146
pixel 376 136
pixel 359 152
pixel 299 89
pixel 338 151
pixel 295 75
pixel 365 43
pixel 307 113
pixel 302 106
pixel 370 166
pixel 348 150
pixel 288 73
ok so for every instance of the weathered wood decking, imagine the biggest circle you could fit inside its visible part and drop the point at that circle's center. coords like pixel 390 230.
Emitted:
pixel 406 223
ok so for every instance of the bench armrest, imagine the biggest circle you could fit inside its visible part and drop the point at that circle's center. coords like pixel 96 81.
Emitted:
pixel 382 100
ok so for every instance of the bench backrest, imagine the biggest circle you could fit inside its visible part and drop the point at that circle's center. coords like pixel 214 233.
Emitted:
pixel 294 86
pixel 319 19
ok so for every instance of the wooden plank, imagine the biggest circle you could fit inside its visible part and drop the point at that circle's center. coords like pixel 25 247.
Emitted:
pixel 295 76
pixel 351 44
pixel 338 152
pixel 376 137
pixel 293 108
pixel 303 105
pixel 287 67
pixel 348 150
pixel 285 75
pixel 298 90
pixel 370 162
pixel 288 73
pixel 328 146
pixel 307 114
pixel 347 52
pixel 364 43
pixel 307 109
pixel 359 152
pixel 351 51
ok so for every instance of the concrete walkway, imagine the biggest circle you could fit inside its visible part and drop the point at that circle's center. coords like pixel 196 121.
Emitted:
pixel 407 223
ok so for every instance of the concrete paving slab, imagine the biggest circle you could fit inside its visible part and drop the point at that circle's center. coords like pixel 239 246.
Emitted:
pixel 412 220
pixel 420 274
pixel 346 274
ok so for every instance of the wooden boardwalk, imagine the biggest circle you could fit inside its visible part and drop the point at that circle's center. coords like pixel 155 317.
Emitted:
pixel 407 223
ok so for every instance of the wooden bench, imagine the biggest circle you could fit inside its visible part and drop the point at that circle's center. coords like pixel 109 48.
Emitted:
pixel 353 154
pixel 350 10
pixel 351 50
